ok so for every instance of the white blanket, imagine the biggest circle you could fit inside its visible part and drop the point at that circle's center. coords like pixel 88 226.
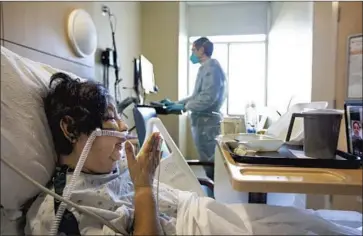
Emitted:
pixel 205 216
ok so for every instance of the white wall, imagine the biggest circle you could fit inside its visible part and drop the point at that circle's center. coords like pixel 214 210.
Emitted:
pixel 160 44
pixel 289 53
pixel 128 40
pixel 183 74
pixel 227 19
pixel 325 29
pixel 41 25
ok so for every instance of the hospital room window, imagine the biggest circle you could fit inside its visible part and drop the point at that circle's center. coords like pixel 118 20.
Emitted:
pixel 243 58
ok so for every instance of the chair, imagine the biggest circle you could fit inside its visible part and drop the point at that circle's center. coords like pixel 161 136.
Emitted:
pixel 146 117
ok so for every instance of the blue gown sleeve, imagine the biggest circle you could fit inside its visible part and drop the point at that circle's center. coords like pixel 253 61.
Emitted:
pixel 208 95
pixel 185 100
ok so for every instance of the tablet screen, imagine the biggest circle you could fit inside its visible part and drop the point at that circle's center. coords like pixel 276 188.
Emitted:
pixel 354 123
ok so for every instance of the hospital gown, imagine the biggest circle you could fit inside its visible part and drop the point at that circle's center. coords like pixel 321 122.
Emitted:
pixel 180 212
pixel 109 195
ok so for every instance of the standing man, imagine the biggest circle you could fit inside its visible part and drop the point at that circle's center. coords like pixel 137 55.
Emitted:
pixel 205 102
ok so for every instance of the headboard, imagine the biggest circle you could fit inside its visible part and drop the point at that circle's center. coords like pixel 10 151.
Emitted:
pixel 37 30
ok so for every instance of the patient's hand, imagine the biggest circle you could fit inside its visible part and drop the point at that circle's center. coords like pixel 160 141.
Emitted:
pixel 142 168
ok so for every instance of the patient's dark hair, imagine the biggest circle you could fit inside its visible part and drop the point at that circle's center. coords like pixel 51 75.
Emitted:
pixel 85 102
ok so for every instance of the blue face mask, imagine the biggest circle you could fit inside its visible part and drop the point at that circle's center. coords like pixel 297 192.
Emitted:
pixel 194 59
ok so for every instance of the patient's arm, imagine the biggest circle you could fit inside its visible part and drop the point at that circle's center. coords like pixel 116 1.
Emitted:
pixel 142 171
pixel 146 215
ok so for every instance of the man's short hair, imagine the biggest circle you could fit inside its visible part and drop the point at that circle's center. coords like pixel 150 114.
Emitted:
pixel 206 44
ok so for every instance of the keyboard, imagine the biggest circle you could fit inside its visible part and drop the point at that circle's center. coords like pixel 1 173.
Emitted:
pixel 161 109
pixel 157 104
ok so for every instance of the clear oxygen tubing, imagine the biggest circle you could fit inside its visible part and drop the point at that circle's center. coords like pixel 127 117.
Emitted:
pixel 158 183
pixel 68 190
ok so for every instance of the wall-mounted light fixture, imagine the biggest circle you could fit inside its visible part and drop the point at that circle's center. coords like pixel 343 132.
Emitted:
pixel 82 33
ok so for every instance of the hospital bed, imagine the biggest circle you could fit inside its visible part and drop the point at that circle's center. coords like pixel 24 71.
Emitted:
pixel 26 142
pixel 142 116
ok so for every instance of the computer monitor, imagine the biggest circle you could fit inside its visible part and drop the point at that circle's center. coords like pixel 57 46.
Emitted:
pixel 137 81
pixel 147 75
pixel 353 111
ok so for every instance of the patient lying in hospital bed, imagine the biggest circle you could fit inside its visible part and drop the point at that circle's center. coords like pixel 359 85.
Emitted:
pixel 120 187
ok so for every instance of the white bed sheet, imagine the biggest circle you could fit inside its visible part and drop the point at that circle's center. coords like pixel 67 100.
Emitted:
pixel 258 219
pixel 204 216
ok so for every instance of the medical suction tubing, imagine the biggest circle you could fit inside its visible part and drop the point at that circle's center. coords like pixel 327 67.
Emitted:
pixel 68 190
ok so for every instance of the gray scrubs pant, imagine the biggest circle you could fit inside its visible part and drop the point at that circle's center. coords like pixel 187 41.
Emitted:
pixel 205 129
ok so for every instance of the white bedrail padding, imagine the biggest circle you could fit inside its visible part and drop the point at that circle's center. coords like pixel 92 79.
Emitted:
pixel 174 170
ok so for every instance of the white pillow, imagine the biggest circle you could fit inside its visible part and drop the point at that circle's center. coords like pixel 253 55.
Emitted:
pixel 26 139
